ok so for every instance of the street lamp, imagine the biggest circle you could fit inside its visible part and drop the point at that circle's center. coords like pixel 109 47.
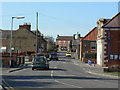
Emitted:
pixel 20 17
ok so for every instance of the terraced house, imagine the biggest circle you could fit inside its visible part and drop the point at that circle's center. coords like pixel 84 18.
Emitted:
pixel 24 41
pixel 64 42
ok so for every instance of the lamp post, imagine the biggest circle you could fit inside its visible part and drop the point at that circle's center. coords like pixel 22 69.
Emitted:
pixel 11 38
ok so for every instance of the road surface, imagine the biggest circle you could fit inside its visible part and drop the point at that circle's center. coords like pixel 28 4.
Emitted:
pixel 62 74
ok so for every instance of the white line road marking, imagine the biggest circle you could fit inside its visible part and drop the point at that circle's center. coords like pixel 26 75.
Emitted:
pixel 63 62
pixel 0 87
pixel 55 67
pixel 101 74
pixel 52 74
pixel 52 71
pixel 63 82
pixel 66 84
pixel 7 85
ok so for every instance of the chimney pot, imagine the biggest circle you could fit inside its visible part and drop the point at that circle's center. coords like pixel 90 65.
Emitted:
pixel 25 26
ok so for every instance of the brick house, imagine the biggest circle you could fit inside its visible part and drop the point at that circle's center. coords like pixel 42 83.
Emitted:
pixel 23 41
pixel 88 46
pixel 63 42
pixel 108 42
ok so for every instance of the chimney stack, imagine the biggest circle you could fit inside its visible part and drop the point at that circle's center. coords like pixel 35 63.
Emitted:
pixel 25 26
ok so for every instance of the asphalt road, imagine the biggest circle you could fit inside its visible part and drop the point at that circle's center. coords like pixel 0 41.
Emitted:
pixel 62 74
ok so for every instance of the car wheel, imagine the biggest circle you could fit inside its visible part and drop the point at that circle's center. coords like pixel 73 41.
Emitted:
pixel 32 68
pixel 47 68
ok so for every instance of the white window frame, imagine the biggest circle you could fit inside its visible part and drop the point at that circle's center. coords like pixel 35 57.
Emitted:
pixel 93 44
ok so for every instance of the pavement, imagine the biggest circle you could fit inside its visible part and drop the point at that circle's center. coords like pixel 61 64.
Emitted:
pixel 93 68
pixel 9 69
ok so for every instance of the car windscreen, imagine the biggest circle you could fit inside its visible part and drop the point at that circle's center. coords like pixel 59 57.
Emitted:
pixel 54 54
pixel 68 53
pixel 39 59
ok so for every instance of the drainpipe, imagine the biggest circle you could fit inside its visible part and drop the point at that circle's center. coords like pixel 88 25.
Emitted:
pixel 108 46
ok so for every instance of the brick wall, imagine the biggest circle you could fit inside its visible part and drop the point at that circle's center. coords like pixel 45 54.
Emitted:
pixel 63 43
pixel 85 44
pixel 114 50
pixel 6 59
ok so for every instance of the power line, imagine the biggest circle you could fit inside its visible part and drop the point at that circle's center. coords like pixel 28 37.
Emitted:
pixel 45 15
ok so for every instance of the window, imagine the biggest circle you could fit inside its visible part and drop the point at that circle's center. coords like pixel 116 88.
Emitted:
pixel 39 59
pixel 116 57
pixel 93 45
pixel 3 49
pixel 59 42
pixel 64 41
pixel 111 56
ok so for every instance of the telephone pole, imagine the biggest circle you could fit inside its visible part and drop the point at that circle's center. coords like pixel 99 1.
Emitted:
pixel 36 32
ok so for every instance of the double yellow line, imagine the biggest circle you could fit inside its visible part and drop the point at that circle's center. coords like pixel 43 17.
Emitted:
pixel 6 86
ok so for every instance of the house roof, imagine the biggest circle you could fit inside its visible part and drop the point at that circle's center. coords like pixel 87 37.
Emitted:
pixel 34 32
pixel 7 33
pixel 95 28
pixel 114 22
pixel 64 38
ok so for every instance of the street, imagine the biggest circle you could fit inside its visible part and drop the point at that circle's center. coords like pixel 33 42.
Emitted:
pixel 64 73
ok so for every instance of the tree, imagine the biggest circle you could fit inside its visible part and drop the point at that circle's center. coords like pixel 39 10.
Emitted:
pixel 50 43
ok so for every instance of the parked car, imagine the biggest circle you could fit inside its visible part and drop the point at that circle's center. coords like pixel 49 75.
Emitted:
pixel 40 62
pixel 68 54
pixel 53 56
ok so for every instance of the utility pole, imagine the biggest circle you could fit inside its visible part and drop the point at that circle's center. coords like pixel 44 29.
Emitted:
pixel 36 32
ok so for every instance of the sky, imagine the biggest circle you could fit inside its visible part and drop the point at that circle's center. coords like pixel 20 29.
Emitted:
pixel 63 18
